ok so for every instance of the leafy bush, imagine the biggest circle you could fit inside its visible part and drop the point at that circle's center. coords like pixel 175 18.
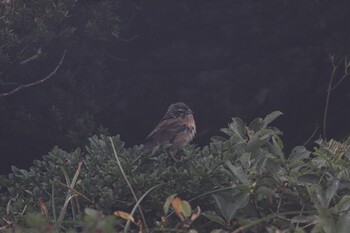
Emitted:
pixel 241 182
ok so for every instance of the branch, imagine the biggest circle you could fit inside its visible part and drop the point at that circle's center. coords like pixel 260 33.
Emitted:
pixel 23 86
pixel 346 72
pixel 329 90
pixel 339 82
pixel 332 87
pixel 35 56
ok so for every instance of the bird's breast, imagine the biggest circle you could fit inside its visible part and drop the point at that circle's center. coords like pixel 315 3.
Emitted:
pixel 183 138
pixel 191 125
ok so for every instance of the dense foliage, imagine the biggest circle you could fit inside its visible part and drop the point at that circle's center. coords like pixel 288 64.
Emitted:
pixel 241 182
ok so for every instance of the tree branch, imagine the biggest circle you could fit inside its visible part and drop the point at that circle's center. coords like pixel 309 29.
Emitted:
pixel 35 56
pixel 332 87
pixel 346 72
pixel 329 90
pixel 23 86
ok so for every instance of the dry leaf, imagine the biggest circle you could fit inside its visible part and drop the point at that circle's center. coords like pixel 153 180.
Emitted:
pixel 124 215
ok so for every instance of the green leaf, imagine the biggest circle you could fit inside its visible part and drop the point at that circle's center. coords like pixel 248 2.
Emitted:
pixel 226 131
pixel 265 192
pixel 255 144
pixel 257 124
pixel 343 204
pixel 331 191
pixel 277 142
pixel 299 153
pixel 238 172
pixel 309 178
pixel 271 117
pixel 238 127
pixel 296 166
pixel 167 203
pixel 299 230
pixel 218 139
pixel 317 228
pixel 343 223
pixel 24 173
pixel 212 216
pixel 245 160
pixel 305 219
pixel 228 204
pixel 186 208
pixel 273 166
pixel 321 196
pixel 318 162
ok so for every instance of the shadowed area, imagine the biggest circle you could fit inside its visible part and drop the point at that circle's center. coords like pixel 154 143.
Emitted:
pixel 126 61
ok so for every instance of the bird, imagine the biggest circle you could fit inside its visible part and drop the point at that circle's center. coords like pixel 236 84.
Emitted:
pixel 176 127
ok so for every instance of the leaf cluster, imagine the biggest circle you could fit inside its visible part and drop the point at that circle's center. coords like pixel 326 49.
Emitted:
pixel 242 181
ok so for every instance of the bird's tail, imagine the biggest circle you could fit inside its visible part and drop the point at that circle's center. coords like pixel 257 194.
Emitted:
pixel 145 149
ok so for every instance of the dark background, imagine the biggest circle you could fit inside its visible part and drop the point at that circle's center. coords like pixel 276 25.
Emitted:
pixel 128 60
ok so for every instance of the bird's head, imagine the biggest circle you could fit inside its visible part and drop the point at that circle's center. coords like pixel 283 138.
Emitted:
pixel 178 110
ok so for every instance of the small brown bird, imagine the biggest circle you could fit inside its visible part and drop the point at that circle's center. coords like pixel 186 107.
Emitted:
pixel 177 127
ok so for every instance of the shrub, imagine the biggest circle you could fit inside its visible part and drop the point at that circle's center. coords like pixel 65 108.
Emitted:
pixel 241 181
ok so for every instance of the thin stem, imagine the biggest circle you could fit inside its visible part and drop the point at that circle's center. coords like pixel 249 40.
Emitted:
pixel 23 86
pixel 267 218
pixel 76 192
pixel 332 87
pixel 312 135
pixel 128 183
pixel 339 82
pixel 329 90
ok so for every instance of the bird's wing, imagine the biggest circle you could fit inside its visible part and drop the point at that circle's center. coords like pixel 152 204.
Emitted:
pixel 166 131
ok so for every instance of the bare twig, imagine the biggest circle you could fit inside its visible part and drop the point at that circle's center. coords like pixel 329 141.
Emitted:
pixel 35 56
pixel 76 192
pixel 312 135
pixel 339 82
pixel 332 87
pixel 329 90
pixel 23 86
pixel 346 72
